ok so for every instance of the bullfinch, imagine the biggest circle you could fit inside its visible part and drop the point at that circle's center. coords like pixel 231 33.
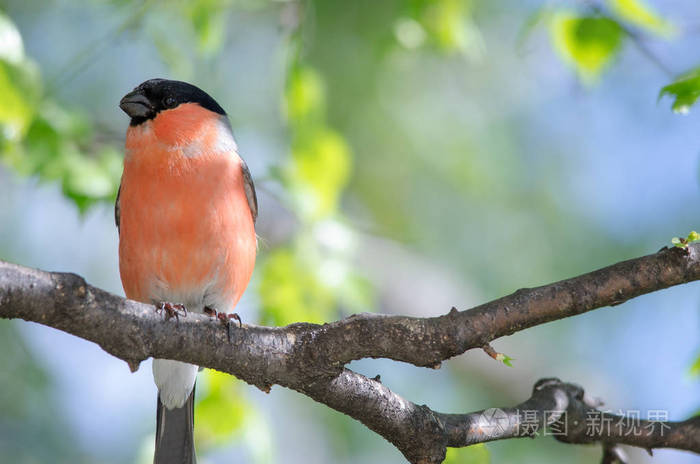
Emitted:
pixel 185 212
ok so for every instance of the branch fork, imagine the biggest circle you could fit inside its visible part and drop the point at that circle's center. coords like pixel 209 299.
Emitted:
pixel 310 358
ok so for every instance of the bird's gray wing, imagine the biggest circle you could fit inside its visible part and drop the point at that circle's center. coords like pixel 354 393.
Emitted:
pixel 116 207
pixel 249 188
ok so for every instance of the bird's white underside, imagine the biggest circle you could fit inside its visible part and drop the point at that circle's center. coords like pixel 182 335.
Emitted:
pixel 174 380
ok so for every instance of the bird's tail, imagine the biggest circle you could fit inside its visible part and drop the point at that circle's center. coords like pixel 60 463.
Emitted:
pixel 174 434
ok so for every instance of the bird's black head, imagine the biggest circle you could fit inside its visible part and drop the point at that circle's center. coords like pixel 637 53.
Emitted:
pixel 156 95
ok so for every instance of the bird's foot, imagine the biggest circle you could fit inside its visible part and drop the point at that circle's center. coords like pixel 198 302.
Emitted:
pixel 224 319
pixel 171 310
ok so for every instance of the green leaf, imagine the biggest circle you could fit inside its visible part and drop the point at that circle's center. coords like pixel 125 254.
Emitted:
pixel 208 19
pixel 290 291
pixel 474 454
pixel 89 179
pixel 11 46
pixel 449 26
pixel 19 85
pixel 507 360
pixel 588 43
pixel 221 410
pixel 695 368
pixel 640 14
pixel 683 242
pixel 305 96
pixel 319 172
pixel 19 90
pixel 59 146
pixel 685 91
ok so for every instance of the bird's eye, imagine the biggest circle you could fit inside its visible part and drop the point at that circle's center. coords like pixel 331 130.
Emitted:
pixel 169 102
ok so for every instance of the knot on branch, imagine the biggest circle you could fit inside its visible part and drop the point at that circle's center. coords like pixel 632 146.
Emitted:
pixel 428 443
pixel 70 291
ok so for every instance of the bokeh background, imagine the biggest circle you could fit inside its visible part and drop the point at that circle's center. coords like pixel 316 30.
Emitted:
pixel 409 156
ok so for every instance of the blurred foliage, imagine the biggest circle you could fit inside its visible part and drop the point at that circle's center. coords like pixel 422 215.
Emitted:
pixel 321 161
pixel 587 42
pixel 208 19
pixel 224 414
pixel 312 276
pixel 638 13
pixel 291 291
pixel 446 24
pixel 591 37
pixel 39 137
pixel 475 454
pixel 26 403
pixel 695 367
pixel 19 84
pixel 221 408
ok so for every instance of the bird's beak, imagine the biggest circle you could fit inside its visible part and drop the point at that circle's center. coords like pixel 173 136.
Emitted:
pixel 136 105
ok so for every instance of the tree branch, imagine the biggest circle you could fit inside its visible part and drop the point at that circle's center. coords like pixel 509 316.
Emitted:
pixel 310 358
pixel 564 411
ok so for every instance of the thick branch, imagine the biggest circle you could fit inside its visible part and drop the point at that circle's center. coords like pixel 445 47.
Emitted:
pixel 309 358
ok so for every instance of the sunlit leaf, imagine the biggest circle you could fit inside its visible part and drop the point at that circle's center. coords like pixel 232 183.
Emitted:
pixel 15 111
pixel 19 85
pixel 695 368
pixel 589 43
pixel 685 91
pixel 683 242
pixel 474 454
pixel 41 152
pixel 320 171
pixel 449 25
pixel 11 46
pixel 208 19
pixel 639 13
pixel 290 291
pixel 221 410
pixel 89 179
pixel 19 91
pixel 304 97
pixel 505 359
pixel 57 147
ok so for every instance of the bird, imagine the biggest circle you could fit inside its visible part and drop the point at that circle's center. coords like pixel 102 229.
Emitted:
pixel 185 213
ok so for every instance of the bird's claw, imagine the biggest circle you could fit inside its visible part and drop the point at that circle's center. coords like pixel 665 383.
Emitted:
pixel 171 310
pixel 224 319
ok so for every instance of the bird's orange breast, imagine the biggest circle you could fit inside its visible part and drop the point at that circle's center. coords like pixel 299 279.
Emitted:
pixel 186 230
